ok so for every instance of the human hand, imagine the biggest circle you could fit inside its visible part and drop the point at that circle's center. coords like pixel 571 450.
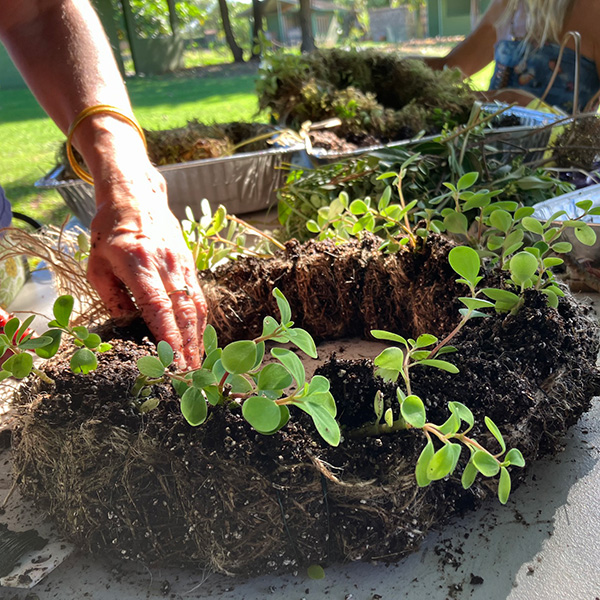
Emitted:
pixel 138 258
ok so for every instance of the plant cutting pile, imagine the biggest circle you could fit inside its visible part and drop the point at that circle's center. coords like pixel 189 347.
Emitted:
pixel 507 163
pixel 378 96
pixel 195 141
pixel 249 465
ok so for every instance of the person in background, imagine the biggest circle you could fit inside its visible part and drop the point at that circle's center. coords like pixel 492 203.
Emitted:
pixel 138 257
pixel 524 38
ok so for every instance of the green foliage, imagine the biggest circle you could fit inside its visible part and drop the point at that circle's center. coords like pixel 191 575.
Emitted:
pixel 219 237
pixel 235 376
pixel 429 167
pixel 17 339
pixel 316 572
pixel 393 362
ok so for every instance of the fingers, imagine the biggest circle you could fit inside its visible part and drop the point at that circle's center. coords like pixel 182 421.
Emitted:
pixel 110 289
pixel 138 257
pixel 171 303
pixel 189 309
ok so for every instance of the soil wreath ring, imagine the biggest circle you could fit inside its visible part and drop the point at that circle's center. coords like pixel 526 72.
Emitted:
pixel 151 488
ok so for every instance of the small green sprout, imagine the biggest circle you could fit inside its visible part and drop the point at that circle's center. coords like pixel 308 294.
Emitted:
pixel 221 236
pixel 397 362
pixel 17 339
pixel 235 375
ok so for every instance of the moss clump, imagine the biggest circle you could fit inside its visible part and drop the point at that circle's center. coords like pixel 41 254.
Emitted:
pixel 373 93
pixel 195 141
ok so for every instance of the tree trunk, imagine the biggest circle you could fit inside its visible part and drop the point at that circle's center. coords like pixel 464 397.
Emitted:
pixel 257 28
pixel 308 38
pixel 172 16
pixel 238 53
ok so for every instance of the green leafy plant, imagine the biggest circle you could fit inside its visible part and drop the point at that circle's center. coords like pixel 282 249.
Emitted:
pixel 446 159
pixel 17 339
pixel 397 362
pixel 236 376
pixel 220 236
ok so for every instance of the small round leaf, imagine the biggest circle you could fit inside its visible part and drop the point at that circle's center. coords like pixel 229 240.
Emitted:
pixel 523 266
pixel 413 411
pixel 92 341
pixel 193 407
pixel 50 349
pixel 443 461
pixel 469 475
pixel 465 261
pixel 504 486
pixel 425 457
pixel 514 457
pixel 151 367
pixel 485 463
pixel 62 309
pixel 165 353
pixel 83 361
pixel 586 235
pixel 19 365
pixel 262 413
pixel 239 357
pixel 274 377
pixel 316 572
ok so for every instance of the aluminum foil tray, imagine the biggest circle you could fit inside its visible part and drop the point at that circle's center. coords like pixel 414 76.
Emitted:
pixel 243 183
pixel 521 135
pixel 544 210
pixel 507 140
pixel 527 116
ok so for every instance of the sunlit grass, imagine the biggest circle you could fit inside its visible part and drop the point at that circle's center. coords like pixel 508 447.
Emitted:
pixel 30 140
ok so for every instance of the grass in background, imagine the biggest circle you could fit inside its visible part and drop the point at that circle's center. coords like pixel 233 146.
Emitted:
pixel 212 93
pixel 30 139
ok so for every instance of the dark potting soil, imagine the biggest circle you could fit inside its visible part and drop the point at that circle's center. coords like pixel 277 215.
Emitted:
pixel 151 487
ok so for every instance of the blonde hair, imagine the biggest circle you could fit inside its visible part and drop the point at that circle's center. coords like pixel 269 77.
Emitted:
pixel 545 18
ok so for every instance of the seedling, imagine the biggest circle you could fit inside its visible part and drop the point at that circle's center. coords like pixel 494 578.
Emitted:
pixel 235 375
pixel 397 362
pixel 17 339
pixel 218 237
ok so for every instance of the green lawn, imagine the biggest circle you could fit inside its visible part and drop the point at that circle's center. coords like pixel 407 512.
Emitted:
pixel 30 139
pixel 214 93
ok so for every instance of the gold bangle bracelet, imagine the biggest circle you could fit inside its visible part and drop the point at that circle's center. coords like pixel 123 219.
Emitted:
pixel 84 114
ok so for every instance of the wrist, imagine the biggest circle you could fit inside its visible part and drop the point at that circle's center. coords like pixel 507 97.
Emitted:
pixel 109 141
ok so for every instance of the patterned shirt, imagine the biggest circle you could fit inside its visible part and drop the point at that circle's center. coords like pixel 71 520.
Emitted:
pixel 523 66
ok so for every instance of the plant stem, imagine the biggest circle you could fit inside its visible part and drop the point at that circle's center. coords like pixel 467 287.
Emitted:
pixel 375 429
pixel 256 231
pixel 42 376
pixel 450 335
pixel 413 241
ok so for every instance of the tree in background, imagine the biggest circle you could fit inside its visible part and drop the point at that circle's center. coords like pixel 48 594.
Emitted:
pixel 257 28
pixel 308 37
pixel 238 53
pixel 156 18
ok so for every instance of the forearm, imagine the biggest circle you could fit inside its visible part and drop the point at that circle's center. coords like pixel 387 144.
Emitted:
pixel 477 50
pixel 61 49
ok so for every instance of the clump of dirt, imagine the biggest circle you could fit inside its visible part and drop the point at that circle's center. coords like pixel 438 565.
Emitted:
pixel 338 290
pixel 374 93
pixel 150 487
pixel 578 147
pixel 195 141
